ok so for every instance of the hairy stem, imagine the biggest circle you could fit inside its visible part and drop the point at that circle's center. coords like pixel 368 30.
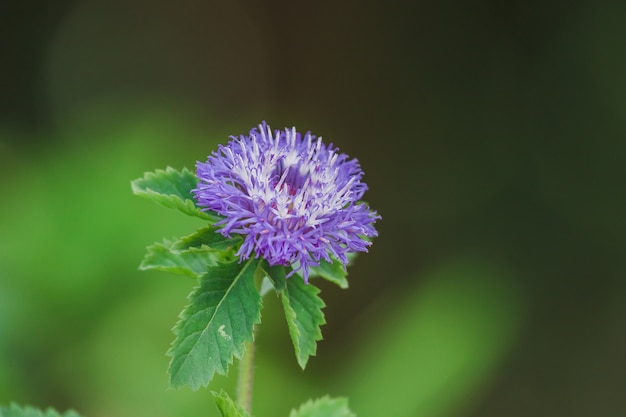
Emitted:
pixel 245 377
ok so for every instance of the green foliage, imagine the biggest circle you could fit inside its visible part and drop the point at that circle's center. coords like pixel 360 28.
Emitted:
pixel 213 328
pixel 17 411
pixel 190 255
pixel 223 310
pixel 227 407
pixel 303 310
pixel 192 262
pixel 334 272
pixel 172 189
pixel 276 275
pixel 207 237
pixel 324 407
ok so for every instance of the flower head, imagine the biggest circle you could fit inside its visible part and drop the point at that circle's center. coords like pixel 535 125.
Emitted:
pixel 294 199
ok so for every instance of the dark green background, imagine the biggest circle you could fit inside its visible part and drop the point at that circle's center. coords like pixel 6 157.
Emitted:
pixel 492 135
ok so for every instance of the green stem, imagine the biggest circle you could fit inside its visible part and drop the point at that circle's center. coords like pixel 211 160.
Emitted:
pixel 246 376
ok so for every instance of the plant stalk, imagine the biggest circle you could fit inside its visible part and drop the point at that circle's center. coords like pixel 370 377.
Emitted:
pixel 245 377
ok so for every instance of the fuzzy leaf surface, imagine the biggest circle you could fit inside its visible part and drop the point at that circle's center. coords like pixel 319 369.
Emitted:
pixel 324 407
pixel 172 188
pixel 213 328
pixel 228 407
pixel 16 411
pixel 303 310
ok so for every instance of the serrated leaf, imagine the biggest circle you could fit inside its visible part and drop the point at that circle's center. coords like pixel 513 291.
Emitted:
pixel 16 411
pixel 276 275
pixel 227 407
pixel 192 262
pixel 190 255
pixel 207 237
pixel 215 325
pixel 334 272
pixel 324 407
pixel 303 310
pixel 172 189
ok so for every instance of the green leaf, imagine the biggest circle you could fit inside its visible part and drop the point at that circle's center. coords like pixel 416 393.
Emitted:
pixel 207 237
pixel 276 275
pixel 227 407
pixel 192 262
pixel 324 407
pixel 215 325
pixel 172 189
pixel 334 272
pixel 15 411
pixel 162 257
pixel 190 255
pixel 303 310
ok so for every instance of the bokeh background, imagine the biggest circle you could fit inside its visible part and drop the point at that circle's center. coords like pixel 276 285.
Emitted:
pixel 492 135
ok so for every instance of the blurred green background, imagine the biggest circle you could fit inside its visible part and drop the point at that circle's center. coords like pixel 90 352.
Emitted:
pixel 492 135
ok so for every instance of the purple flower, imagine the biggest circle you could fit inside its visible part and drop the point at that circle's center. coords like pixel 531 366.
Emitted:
pixel 294 199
